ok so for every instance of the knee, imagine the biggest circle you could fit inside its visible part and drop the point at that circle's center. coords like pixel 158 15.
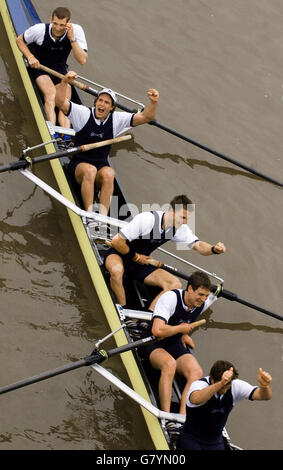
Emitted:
pixel 116 272
pixel 172 283
pixel 49 97
pixel 107 177
pixel 169 367
pixel 89 175
pixel 194 373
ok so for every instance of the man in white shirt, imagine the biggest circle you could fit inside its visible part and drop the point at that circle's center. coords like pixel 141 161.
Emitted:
pixel 211 400
pixel 132 247
pixel 95 124
pixel 171 321
pixel 50 45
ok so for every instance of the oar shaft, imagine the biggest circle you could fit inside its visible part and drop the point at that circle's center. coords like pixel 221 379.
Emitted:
pixel 214 152
pixel 21 164
pixel 170 269
pixel 234 297
pixel 155 123
pixel 43 376
pixel 96 357
pixel 223 293
pixel 130 346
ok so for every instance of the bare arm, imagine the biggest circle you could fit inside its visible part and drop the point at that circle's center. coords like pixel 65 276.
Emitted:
pixel 33 62
pixel 161 330
pixel 149 113
pixel 80 55
pixel 202 396
pixel 62 92
pixel 264 391
pixel 205 248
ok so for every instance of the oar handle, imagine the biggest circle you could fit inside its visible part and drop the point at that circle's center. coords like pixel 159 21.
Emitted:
pixel 76 83
pixel 197 323
pixel 115 140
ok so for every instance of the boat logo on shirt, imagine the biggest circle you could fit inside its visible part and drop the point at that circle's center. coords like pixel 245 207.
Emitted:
pixel 93 134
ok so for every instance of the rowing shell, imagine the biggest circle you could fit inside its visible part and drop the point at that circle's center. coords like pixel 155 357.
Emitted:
pixel 17 16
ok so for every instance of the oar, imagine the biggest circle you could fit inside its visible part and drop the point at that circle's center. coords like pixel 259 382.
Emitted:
pixel 96 357
pixel 155 123
pixel 23 163
pixel 223 292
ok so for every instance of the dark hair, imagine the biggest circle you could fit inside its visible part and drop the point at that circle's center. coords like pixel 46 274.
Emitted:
pixel 199 279
pixel 61 12
pixel 219 368
pixel 180 200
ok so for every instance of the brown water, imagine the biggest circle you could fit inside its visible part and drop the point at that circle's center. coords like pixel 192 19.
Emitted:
pixel 218 67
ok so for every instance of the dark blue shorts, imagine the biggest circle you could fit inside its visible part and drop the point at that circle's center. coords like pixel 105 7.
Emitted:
pixel 188 442
pixel 74 163
pixel 172 345
pixel 37 72
pixel 134 270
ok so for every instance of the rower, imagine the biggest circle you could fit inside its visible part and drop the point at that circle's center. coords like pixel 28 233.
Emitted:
pixel 132 247
pixel 211 400
pixel 50 45
pixel 100 122
pixel 174 311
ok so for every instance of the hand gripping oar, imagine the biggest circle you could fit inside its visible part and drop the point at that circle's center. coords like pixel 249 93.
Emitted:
pixel 96 357
pixel 222 292
pixel 165 128
pixel 23 162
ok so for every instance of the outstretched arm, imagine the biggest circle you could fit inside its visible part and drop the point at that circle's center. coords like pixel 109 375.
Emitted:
pixel 207 249
pixel 149 113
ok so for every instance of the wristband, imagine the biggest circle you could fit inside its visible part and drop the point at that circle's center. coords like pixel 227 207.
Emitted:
pixel 73 40
pixel 30 57
pixel 213 250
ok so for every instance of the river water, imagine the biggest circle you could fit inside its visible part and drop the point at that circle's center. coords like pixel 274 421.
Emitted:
pixel 218 67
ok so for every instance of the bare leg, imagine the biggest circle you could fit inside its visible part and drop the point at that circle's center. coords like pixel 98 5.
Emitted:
pixel 48 90
pixel 105 179
pixel 188 366
pixel 114 265
pixel 163 361
pixel 163 279
pixel 85 175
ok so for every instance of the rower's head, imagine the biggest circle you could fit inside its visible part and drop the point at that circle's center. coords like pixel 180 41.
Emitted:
pixel 105 103
pixel 180 208
pixel 59 19
pixel 218 369
pixel 198 289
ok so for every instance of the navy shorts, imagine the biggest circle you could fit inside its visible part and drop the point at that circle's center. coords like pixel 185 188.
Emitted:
pixel 188 442
pixel 74 163
pixel 37 72
pixel 134 270
pixel 172 345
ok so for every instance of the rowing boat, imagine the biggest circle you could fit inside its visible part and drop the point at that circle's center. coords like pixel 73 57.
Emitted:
pixel 17 16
